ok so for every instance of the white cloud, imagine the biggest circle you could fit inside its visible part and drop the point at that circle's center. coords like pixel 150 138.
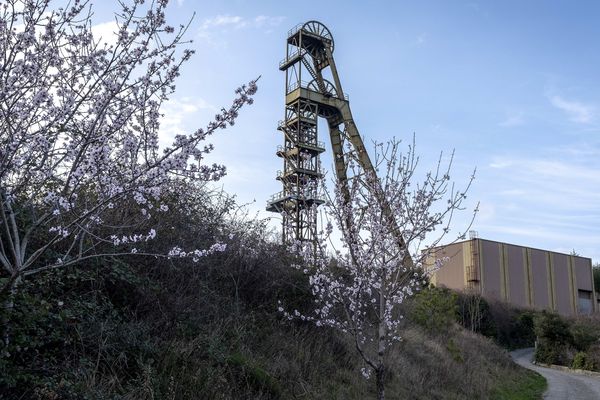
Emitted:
pixel 264 20
pixel 500 163
pixel 177 115
pixel 577 111
pixel 562 170
pixel 106 32
pixel 542 200
pixel 236 22
pixel 584 150
pixel 511 120
pixel 558 181
pixel 539 232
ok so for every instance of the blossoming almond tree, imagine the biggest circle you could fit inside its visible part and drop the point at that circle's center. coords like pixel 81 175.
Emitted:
pixel 360 289
pixel 80 166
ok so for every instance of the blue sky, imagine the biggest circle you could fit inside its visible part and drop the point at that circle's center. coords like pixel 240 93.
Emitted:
pixel 512 86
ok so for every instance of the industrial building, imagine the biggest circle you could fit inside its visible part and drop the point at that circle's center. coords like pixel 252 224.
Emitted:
pixel 522 276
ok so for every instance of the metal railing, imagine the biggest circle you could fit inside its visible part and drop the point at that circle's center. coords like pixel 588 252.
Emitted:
pixel 300 170
pixel 276 196
pixel 304 85
pixel 295 85
pixel 307 195
pixel 284 123
pixel 297 53
pixel 295 29
pixel 318 145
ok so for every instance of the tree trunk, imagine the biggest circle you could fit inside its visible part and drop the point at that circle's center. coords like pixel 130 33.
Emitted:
pixel 379 373
pixel 381 331
pixel 7 309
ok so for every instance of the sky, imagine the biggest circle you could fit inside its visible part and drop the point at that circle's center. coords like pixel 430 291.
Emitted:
pixel 513 87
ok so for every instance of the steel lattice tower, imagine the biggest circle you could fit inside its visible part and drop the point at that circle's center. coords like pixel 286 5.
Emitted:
pixel 309 95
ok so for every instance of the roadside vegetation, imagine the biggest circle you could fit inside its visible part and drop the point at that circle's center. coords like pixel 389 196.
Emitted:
pixel 134 328
pixel 570 342
pixel 530 385
pixel 573 342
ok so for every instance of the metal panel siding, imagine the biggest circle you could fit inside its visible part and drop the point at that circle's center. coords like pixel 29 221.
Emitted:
pixel 492 269
pixel 528 275
pixel 452 273
pixel 540 279
pixel 583 273
pixel 522 276
pixel 516 268
pixel 562 283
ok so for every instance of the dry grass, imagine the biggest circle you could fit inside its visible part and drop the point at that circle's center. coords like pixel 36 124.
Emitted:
pixel 460 365
pixel 310 363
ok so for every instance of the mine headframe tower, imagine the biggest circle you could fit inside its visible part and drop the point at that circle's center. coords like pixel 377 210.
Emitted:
pixel 309 95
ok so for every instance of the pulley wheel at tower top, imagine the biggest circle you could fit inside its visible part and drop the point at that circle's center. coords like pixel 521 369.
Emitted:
pixel 327 89
pixel 318 29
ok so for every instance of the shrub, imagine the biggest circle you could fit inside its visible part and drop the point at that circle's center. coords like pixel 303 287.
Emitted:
pixel 435 309
pixel 579 361
pixel 593 357
pixel 508 326
pixel 523 333
pixel 553 338
pixel 67 331
pixel 552 328
pixel 583 333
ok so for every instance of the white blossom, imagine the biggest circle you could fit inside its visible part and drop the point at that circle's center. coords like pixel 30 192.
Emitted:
pixel 79 133
pixel 383 258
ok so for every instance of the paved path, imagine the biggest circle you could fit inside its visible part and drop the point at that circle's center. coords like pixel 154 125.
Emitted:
pixel 562 385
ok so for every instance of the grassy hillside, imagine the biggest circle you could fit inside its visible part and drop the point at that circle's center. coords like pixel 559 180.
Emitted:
pixel 172 329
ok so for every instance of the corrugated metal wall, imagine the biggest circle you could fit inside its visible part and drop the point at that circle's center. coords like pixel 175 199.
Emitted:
pixel 519 275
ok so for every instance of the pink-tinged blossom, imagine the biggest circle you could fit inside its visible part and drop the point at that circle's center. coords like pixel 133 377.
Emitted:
pixel 389 227
pixel 79 134
pixel 176 252
pixel 218 248
pixel 151 234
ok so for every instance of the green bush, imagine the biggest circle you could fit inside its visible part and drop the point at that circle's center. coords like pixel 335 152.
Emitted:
pixel 579 361
pixel 435 309
pixel 514 327
pixel 583 361
pixel 66 331
pixel 454 351
pixel 593 357
pixel 552 328
pixel 510 327
pixel 584 334
pixel 523 333
pixel 553 338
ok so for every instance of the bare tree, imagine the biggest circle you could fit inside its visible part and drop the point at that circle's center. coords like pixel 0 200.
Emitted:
pixel 80 166
pixel 359 290
pixel 471 312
